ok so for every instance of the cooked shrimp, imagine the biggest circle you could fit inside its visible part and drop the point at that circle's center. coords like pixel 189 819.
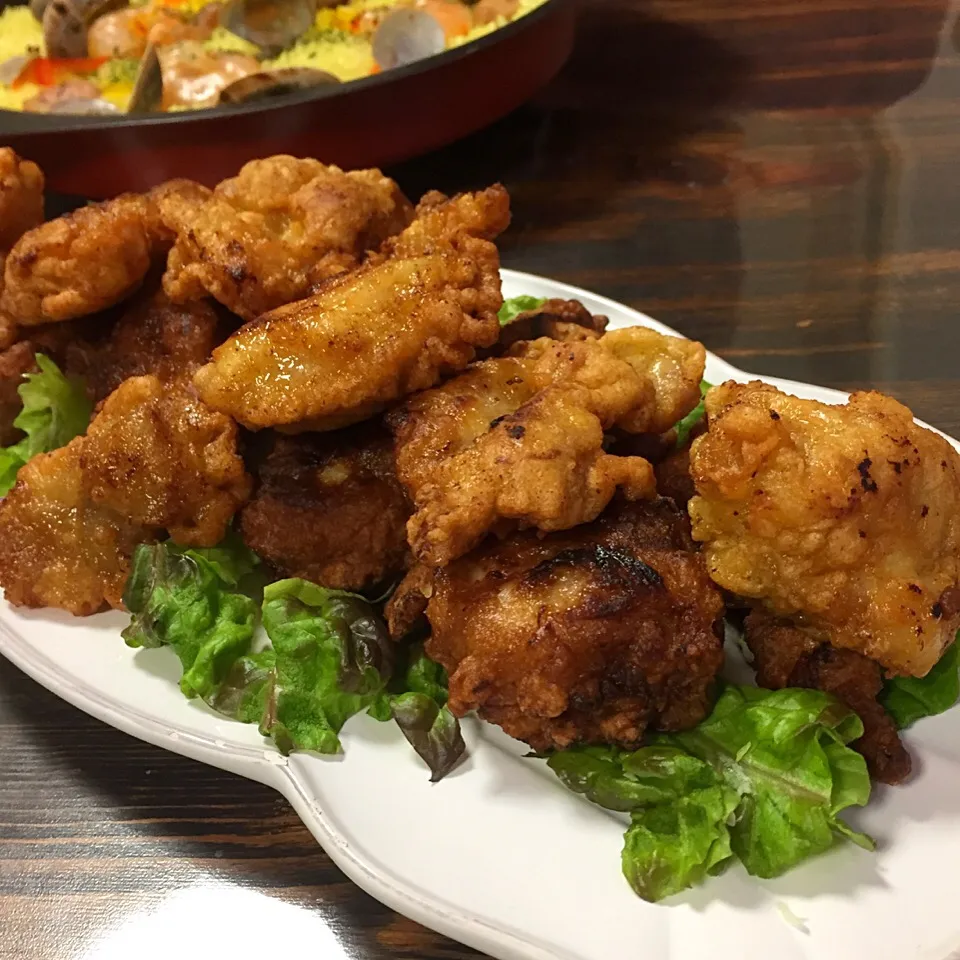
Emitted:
pixel 122 33
pixel 453 16
pixel 194 77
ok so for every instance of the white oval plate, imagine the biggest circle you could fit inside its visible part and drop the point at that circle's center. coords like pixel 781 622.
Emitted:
pixel 501 857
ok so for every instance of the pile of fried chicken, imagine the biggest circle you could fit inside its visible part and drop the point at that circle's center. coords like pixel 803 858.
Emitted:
pixel 303 354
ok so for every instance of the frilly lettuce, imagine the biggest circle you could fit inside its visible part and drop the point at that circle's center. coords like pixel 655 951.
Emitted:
pixel 186 599
pixel 329 657
pixel 55 410
pixel 333 659
pixel 763 779
pixel 417 702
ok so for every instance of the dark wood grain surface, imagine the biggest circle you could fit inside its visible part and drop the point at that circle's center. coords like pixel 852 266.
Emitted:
pixel 777 178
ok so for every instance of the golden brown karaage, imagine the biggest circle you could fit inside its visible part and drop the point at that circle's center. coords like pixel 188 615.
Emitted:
pixel 266 237
pixel 21 198
pixel 846 518
pixel 329 508
pixel 369 338
pixel 161 458
pixel 593 635
pixel 8 329
pixel 517 441
pixel 57 547
pixel 154 459
pixel 150 336
pixel 83 262
pixel 15 364
pixel 439 220
pixel 673 367
pixel 786 656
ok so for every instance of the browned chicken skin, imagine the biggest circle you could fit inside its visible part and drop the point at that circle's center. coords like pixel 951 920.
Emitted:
pixel 785 656
pixel 150 336
pixel 21 198
pixel 58 548
pixel 843 518
pixel 516 441
pixel 153 459
pixel 593 635
pixel 15 363
pixel 157 455
pixel 393 326
pixel 330 509
pixel 83 262
pixel 268 236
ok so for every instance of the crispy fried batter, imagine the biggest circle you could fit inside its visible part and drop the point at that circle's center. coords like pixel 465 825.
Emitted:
pixel 8 329
pixel 161 458
pixel 440 220
pixel 370 337
pixel 82 262
pixel 15 363
pixel 21 198
pixel 151 336
pixel 566 320
pixel 266 237
pixel 153 458
pixel 57 548
pixel 674 366
pixel 592 635
pixel 845 516
pixel 516 441
pixel 786 656
pixel 330 509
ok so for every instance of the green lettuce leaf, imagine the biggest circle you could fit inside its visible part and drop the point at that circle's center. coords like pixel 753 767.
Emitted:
pixel 333 659
pixel 184 599
pixel 763 778
pixel 431 729
pixel 246 688
pixel 686 426
pixel 55 410
pixel 422 715
pixel 513 307
pixel 908 699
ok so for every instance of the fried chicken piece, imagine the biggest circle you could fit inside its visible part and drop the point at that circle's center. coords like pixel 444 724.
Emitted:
pixel 786 656
pixel 58 548
pixel 83 262
pixel 330 509
pixel 161 458
pixel 151 336
pixel 516 441
pixel 153 459
pixel 15 364
pixel 440 220
pixel 21 197
pixel 844 517
pixel 266 237
pixel 8 329
pixel 674 366
pixel 593 635
pixel 566 320
pixel 368 338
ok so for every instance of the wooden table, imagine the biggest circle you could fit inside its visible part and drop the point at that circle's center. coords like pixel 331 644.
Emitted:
pixel 777 178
